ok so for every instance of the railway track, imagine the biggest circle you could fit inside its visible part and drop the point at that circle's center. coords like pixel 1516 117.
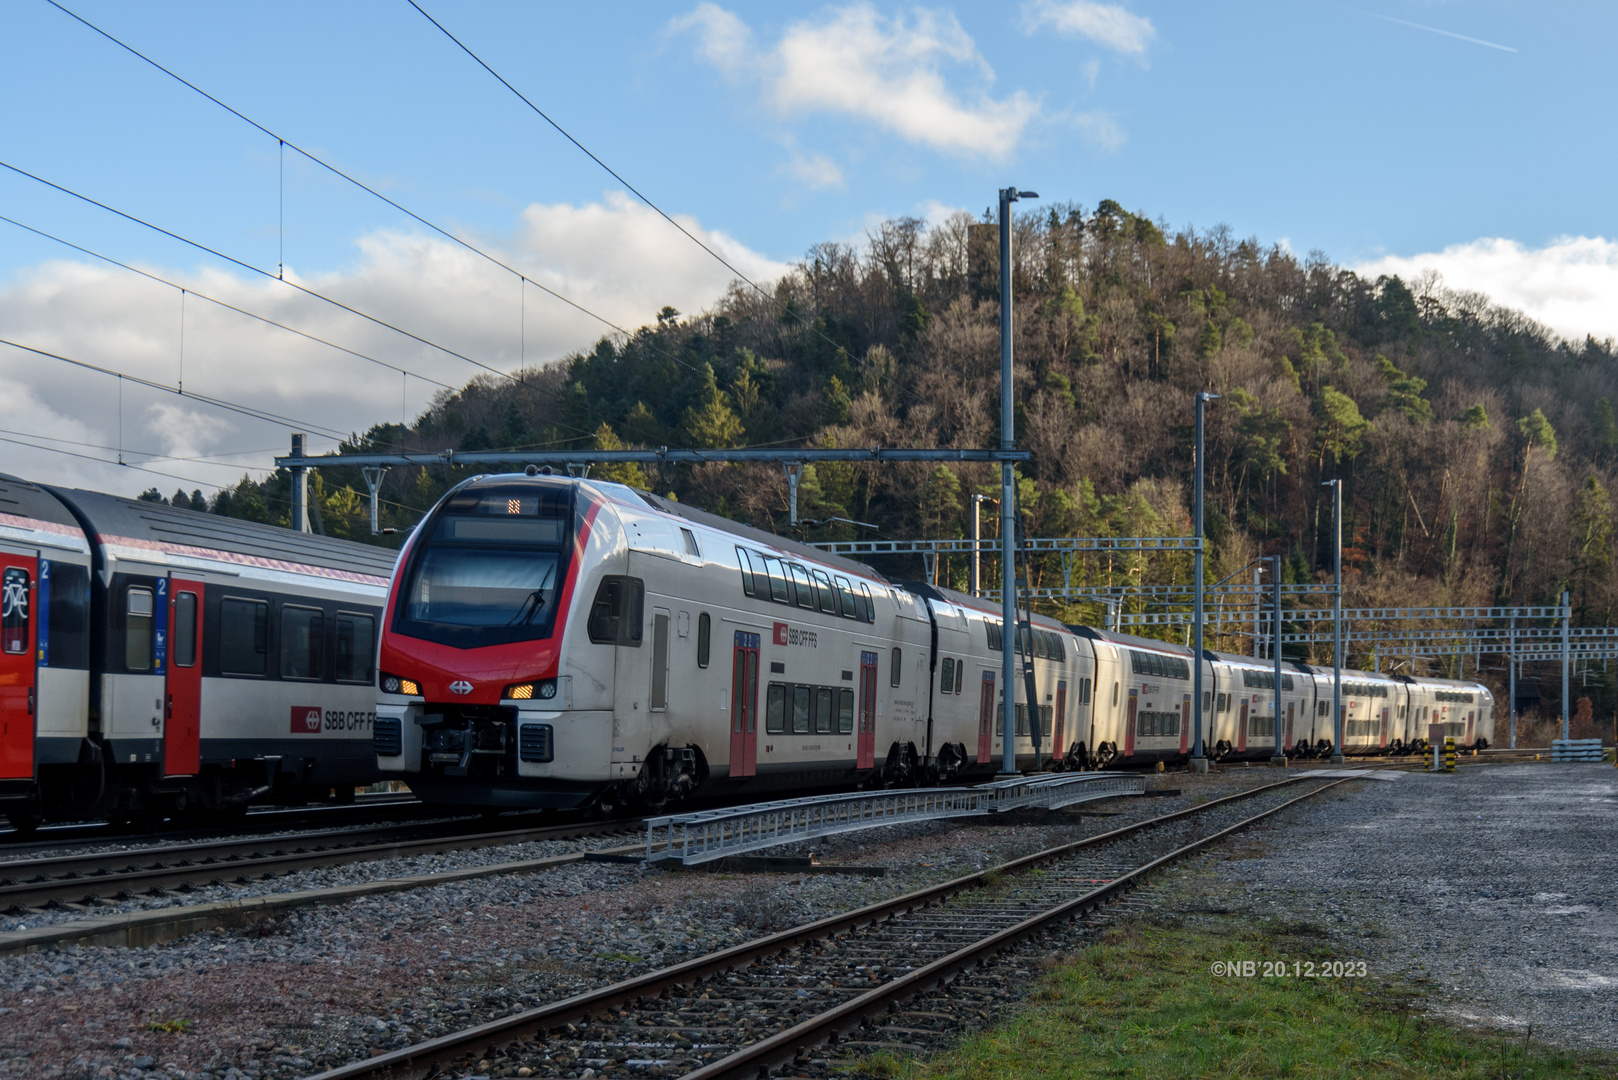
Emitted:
pixel 745 1010
pixel 106 876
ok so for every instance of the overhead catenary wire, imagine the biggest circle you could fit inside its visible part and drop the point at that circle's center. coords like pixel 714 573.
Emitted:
pixel 765 293
pixel 284 143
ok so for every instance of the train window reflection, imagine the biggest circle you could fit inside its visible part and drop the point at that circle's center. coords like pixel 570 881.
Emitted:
pixel 483 587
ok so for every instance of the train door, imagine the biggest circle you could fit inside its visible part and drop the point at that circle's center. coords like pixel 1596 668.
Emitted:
pixel 19 691
pixel 1129 722
pixel 1241 729
pixel 182 706
pixel 986 717
pixel 1185 724
pixel 1385 725
pixel 1058 748
pixel 1470 717
pixel 866 747
pixel 1292 708
pixel 744 705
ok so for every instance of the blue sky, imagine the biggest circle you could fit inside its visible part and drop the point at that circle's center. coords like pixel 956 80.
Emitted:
pixel 1472 138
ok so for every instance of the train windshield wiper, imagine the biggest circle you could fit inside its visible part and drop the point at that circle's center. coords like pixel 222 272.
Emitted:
pixel 534 603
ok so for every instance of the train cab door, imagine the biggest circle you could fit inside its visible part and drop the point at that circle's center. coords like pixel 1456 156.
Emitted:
pixel 1058 747
pixel 985 717
pixel 866 742
pixel 19 687
pixel 1129 722
pixel 744 705
pixel 182 703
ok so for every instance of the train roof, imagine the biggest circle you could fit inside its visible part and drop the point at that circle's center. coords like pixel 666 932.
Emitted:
pixel 758 536
pixel 1254 661
pixel 972 603
pixel 153 526
pixel 26 508
pixel 1130 641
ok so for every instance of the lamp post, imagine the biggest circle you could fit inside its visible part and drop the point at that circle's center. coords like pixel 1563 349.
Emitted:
pixel 1277 757
pixel 1008 496
pixel 1337 620
pixel 1199 758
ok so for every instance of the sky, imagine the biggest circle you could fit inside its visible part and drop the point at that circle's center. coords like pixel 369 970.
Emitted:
pixel 1475 139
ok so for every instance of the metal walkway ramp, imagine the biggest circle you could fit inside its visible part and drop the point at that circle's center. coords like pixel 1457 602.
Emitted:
pixel 707 835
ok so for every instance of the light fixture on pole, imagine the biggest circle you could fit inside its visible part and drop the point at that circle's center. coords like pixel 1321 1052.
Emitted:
pixel 1337 620
pixel 1008 497
pixel 1199 757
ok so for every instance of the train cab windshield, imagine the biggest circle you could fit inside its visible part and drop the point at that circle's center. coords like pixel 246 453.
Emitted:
pixel 491 567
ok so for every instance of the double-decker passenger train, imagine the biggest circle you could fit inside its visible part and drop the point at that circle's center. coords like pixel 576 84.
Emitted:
pixel 155 660
pixel 555 642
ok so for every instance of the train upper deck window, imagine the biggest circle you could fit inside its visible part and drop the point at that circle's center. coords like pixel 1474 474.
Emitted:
pixel 356 647
pixel 691 548
pixel 15 602
pixel 303 642
pixel 851 604
pixel 803 586
pixel 744 560
pixel 618 611
pixel 138 629
pixel 778 580
pixel 243 636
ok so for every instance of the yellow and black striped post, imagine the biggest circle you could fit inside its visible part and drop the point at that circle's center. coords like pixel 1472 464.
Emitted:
pixel 1449 753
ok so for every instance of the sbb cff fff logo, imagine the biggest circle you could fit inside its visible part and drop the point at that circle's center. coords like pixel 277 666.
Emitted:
pixel 305 720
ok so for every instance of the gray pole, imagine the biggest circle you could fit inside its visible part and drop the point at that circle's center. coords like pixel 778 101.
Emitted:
pixel 1567 615
pixel 1511 664
pixel 1199 759
pixel 1258 605
pixel 1277 757
pixel 299 520
pixel 1337 622
pixel 977 542
pixel 1008 497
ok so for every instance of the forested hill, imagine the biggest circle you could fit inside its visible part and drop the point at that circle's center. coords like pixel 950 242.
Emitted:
pixel 1476 447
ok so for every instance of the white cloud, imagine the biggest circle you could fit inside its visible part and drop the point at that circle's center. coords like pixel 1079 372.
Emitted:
pixel 1109 25
pixel 1570 284
pixel 889 72
pixel 1100 129
pixel 815 171
pixel 615 257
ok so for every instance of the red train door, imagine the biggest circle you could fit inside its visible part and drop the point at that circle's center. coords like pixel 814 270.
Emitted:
pixel 866 747
pixel 1241 728
pixel 1129 723
pixel 1057 746
pixel 744 705
pixel 1384 726
pixel 19 700
pixel 182 708
pixel 986 717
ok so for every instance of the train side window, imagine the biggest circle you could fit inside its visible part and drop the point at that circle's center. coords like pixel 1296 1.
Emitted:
pixel 775 709
pixel 243 636
pixel 823 711
pixel 960 674
pixel 691 548
pixel 893 675
pixel 828 598
pixel 185 629
pixel 138 629
pixel 704 632
pixel 870 605
pixel 744 560
pixel 356 647
pixel 1115 695
pixel 1207 700
pixel 69 614
pixel 803 586
pixel 946 677
pixel 1222 703
pixel 1084 691
pixel 800 710
pixel 845 712
pixel 778 580
pixel 616 614
pixel 303 640
pixel 845 594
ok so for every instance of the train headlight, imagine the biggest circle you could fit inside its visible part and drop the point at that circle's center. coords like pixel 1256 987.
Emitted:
pixel 545 690
pixel 393 684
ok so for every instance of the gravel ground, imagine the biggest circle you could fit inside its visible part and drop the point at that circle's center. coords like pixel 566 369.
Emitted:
pixel 1494 886
pixel 327 985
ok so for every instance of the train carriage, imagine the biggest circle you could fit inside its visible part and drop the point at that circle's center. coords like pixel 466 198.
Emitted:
pixel 1244 725
pixel 1465 711
pixel 187 661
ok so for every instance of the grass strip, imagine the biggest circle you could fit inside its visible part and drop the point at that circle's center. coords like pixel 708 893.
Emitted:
pixel 1144 1002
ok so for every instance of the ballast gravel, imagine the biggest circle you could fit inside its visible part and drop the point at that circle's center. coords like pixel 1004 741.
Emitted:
pixel 327 985
pixel 1493 887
